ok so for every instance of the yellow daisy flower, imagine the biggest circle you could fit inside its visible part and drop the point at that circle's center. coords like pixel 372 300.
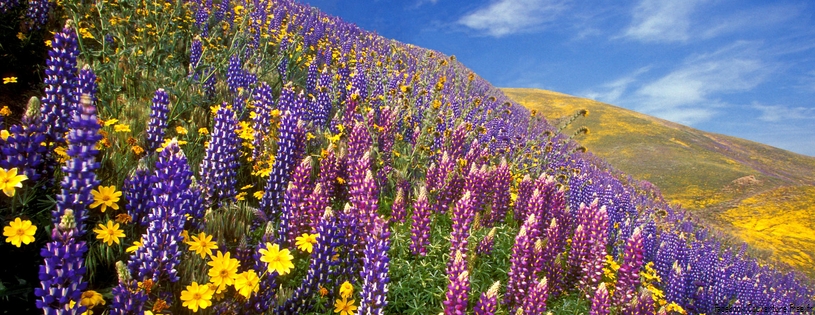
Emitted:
pixel 202 244
pixel 19 232
pixel 344 307
pixel 223 271
pixel 10 181
pixel 278 259
pixel 106 196
pixel 246 283
pixel 306 242
pixel 196 296
pixel 110 233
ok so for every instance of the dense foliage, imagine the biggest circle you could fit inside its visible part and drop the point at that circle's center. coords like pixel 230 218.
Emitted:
pixel 263 157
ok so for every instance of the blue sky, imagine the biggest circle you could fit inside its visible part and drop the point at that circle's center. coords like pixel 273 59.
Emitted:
pixel 736 67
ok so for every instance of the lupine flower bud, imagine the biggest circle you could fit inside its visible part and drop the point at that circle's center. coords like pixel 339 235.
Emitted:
pixel 420 228
pixel 158 120
pixel 488 303
pixel 375 270
pixel 599 302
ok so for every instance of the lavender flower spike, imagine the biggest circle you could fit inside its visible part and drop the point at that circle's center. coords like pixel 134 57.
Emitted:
pixel 488 303
pixel 375 270
pixel 459 286
pixel 535 302
pixel 600 303
pixel 420 229
pixel 628 277
pixel 158 120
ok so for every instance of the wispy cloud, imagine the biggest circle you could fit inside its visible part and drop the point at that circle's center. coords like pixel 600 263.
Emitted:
pixel 690 93
pixel 661 20
pixel 669 21
pixel 505 17
pixel 777 113
pixel 611 92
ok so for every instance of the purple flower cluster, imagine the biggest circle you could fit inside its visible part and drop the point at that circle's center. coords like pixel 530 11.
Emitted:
pixel 375 269
pixel 158 120
pixel 219 169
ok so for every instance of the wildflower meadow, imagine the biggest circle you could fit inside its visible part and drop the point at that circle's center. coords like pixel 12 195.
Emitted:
pixel 262 157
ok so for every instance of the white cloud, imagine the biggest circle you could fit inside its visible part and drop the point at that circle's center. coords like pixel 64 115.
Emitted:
pixel 777 113
pixel 690 93
pixel 505 17
pixel 661 20
pixel 611 92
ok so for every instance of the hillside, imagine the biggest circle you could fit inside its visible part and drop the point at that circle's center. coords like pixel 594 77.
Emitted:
pixel 760 193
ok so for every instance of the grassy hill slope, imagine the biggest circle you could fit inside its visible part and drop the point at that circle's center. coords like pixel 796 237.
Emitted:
pixel 756 192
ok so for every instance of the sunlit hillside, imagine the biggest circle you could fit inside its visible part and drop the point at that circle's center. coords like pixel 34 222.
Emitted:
pixel 758 192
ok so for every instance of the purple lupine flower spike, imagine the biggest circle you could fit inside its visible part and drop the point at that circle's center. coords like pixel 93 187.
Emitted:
pixel 521 263
pixel 137 191
pixel 158 259
pixel 488 302
pixel 535 302
pixel 61 275
pixel 420 228
pixel 80 178
pixel 158 120
pixel 501 179
pixel 86 83
pixel 600 301
pixel 375 270
pixel 60 99
pixel 37 13
pixel 291 143
pixel 219 168
pixel 486 244
pixel 23 149
pixel 628 276
pixel 463 215
pixel 456 298
pixel 319 266
pixel 398 211
pixel 294 215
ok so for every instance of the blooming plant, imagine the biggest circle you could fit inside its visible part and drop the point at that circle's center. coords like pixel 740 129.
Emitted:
pixel 314 167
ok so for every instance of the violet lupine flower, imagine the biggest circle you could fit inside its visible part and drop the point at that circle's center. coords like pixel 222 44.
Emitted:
pixel 63 268
pixel 322 106
pixel 525 189
pixel 398 211
pixel 262 120
pixel 535 302
pixel 375 270
pixel 599 302
pixel 555 245
pixel 363 192
pixel 462 217
pixel 158 259
pixel 476 183
pixel 234 74
pixel 485 245
pixel 628 277
pixel 488 302
pixel 311 79
pixel 521 263
pixel 22 148
pixel 291 143
pixel 86 83
pixel 79 178
pixel 219 168
pixel 319 267
pixel 293 218
pixel 196 50
pixel 158 120
pixel 501 198
pixel 37 13
pixel 7 5
pixel 60 84
pixel 457 295
pixel 320 198
pixel 137 189
pixel 589 246
pixel 128 298
pixel 676 287
pixel 420 228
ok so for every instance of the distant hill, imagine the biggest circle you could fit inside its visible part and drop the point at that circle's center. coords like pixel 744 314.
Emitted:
pixel 758 193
